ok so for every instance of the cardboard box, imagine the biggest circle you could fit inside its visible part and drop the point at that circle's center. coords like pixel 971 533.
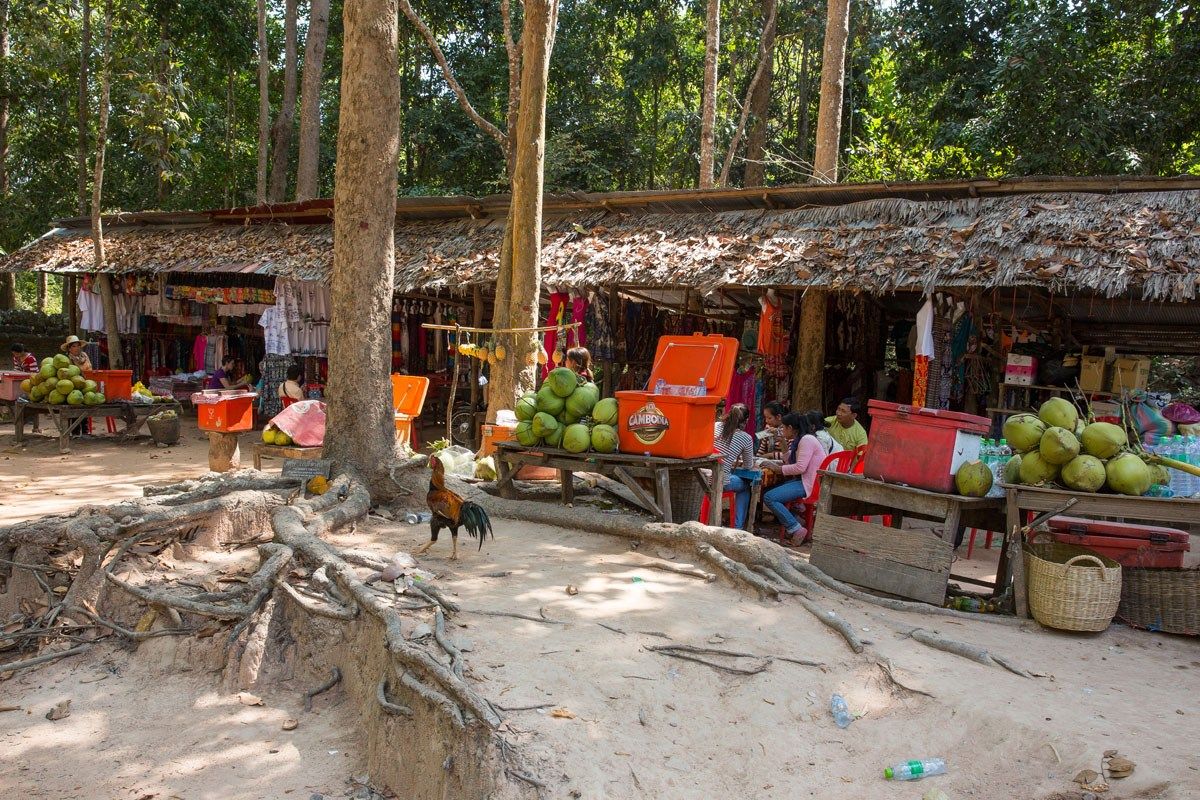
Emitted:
pixel 1020 370
pixel 1092 371
pixel 1129 374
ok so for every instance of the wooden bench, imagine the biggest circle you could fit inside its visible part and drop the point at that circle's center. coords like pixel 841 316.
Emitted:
pixel 263 450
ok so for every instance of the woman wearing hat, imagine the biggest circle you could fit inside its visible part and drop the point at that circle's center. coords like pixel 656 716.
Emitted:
pixel 73 347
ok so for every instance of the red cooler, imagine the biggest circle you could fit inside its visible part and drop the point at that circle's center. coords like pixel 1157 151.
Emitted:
pixel 224 410
pixel 1129 544
pixel 679 422
pixel 921 447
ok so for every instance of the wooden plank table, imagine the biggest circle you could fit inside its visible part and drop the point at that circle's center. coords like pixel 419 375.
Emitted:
pixel 1177 511
pixel 263 450
pixel 70 419
pixel 511 456
pixel 852 495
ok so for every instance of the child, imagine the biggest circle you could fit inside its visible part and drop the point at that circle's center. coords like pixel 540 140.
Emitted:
pixel 579 360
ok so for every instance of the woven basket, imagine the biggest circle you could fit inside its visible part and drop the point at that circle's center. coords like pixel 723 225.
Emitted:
pixel 164 431
pixel 1070 588
pixel 686 495
pixel 1165 600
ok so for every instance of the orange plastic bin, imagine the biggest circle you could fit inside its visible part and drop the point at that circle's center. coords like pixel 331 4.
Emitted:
pixel 408 398
pixel 10 384
pixel 115 384
pixel 224 410
pixel 679 421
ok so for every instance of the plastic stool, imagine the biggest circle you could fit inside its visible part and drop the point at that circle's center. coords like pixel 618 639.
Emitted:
pixel 987 542
pixel 706 505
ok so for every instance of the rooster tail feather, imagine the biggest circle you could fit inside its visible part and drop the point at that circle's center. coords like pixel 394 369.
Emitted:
pixel 476 521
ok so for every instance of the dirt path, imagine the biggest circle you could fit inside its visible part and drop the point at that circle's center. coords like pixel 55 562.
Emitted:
pixel 634 723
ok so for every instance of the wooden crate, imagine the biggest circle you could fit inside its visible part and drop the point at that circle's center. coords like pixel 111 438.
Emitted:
pixel 906 563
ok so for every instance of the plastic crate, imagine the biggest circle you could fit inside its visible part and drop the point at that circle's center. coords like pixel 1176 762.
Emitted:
pixel 115 384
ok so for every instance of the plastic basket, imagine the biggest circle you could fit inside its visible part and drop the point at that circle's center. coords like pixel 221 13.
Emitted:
pixel 1071 588
pixel 1165 600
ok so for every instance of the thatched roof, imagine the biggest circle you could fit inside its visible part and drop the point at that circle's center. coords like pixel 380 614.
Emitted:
pixel 1141 242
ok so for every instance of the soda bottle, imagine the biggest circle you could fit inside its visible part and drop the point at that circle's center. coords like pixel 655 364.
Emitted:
pixel 915 770
pixel 841 711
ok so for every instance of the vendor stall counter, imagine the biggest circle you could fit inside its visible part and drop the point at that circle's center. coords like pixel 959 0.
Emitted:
pixel 69 420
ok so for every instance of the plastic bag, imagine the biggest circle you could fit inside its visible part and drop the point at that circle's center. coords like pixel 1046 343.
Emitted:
pixel 485 468
pixel 1181 414
pixel 1146 417
pixel 303 421
pixel 457 460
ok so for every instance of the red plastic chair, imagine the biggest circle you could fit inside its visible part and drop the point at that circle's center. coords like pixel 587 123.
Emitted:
pixel 860 463
pixel 706 506
pixel 287 401
pixel 840 462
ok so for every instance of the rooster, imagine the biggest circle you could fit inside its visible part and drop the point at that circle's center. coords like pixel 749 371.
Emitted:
pixel 451 511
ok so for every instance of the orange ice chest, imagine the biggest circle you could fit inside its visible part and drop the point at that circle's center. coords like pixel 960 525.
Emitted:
pixel 115 384
pixel 224 410
pixel 693 374
pixel 408 398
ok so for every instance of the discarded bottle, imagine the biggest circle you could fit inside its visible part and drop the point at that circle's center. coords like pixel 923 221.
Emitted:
pixel 417 517
pixel 915 770
pixel 660 386
pixel 841 711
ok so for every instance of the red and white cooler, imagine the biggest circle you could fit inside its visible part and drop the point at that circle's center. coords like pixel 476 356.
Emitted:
pixel 1129 544
pixel 921 447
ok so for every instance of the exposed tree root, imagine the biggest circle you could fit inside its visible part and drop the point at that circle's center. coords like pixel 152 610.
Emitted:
pixel 684 652
pixel 334 680
pixel 388 705
pixel 514 615
pixel 13 666
pixel 965 650
pixel 439 633
pixel 889 671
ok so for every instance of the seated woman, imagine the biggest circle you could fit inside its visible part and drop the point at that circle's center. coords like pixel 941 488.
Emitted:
pixel 579 361
pixel 816 421
pixel 736 448
pixel 291 390
pixel 221 378
pixel 799 469
pixel 770 438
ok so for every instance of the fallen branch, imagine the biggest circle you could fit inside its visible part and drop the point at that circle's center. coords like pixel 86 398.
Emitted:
pixel 13 666
pixel 334 680
pixel 612 628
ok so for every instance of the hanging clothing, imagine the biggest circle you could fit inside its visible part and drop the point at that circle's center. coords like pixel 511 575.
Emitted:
pixel 91 310
pixel 923 346
pixel 555 319
pixel 275 332
pixel 198 348
pixel 742 390
pixel 577 337
pixel 772 339
pixel 599 331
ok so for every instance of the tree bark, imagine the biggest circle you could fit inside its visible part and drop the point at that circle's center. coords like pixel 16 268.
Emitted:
pixel 8 281
pixel 308 168
pixel 833 82
pixel 808 380
pixel 805 91
pixel 81 109
pixel 264 104
pixel 360 432
pixel 760 102
pixel 766 48
pixel 106 293
pixel 281 131
pixel 515 374
pixel 708 93
pixel 41 292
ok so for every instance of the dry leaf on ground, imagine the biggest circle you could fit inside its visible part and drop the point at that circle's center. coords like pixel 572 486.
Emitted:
pixel 247 699
pixel 562 713
pixel 60 711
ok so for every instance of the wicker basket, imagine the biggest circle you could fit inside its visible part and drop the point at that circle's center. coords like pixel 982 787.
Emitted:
pixel 1071 588
pixel 1165 600
pixel 164 431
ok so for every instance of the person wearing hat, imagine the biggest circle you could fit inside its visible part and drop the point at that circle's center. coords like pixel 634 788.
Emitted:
pixel 73 347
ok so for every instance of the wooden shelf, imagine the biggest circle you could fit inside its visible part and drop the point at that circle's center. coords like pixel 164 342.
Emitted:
pixel 1059 389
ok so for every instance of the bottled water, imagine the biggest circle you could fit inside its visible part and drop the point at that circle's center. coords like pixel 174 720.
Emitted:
pixel 660 386
pixel 915 770
pixel 1191 455
pixel 841 711
pixel 1179 480
pixel 1000 454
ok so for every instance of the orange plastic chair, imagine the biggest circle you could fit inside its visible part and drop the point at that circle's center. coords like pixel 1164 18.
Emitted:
pixel 860 462
pixel 840 462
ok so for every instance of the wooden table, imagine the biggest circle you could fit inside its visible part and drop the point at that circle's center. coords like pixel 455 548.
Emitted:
pixel 511 456
pixel 848 495
pixel 70 419
pixel 263 450
pixel 1178 511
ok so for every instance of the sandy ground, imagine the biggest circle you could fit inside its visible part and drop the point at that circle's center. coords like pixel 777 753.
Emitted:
pixel 634 723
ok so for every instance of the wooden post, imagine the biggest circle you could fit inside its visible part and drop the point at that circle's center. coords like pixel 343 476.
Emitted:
pixel 453 386
pixel 808 380
pixel 477 322
pixel 610 380
pixel 223 452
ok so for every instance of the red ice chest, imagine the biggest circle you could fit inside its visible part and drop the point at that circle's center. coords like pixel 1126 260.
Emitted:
pixel 1129 544
pixel 224 410
pixel 921 447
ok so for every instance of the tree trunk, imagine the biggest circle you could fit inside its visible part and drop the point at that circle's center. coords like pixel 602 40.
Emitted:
pixel 264 104
pixel 766 48
pixel 708 93
pixel 515 374
pixel 106 293
pixel 760 103
pixel 833 81
pixel 808 380
pixel 8 281
pixel 308 169
pixel 41 292
pixel 361 430
pixel 281 131
pixel 805 100
pixel 230 110
pixel 81 109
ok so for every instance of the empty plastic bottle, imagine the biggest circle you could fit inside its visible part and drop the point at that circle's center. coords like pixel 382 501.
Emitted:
pixel 660 386
pixel 417 517
pixel 1191 455
pixel 841 711
pixel 1179 479
pixel 915 770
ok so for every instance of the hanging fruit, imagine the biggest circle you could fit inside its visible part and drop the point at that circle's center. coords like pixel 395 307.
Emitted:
pixel 501 351
pixel 540 355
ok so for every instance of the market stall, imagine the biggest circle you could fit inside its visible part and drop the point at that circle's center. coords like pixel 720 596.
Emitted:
pixel 70 420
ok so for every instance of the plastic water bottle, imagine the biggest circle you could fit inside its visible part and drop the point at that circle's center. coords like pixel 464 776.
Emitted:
pixel 702 389
pixel 841 711
pixel 1193 458
pixel 1179 480
pixel 915 770
pixel 417 517
pixel 660 386
pixel 1001 453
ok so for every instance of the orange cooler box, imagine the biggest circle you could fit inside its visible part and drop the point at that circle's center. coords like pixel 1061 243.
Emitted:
pixel 921 447
pixel 10 384
pixel 224 410
pixel 674 426
pixel 408 398
pixel 115 384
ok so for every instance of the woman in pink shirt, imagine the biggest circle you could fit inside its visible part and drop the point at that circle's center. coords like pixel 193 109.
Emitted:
pixel 799 469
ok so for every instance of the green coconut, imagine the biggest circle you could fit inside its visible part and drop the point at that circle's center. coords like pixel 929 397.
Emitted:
pixel 1103 439
pixel 90 386
pixel 55 398
pixel 99 398
pixel 973 479
pixel 1160 475
pixel 1058 412
pixel 1036 470
pixel 549 402
pixel 1129 475
pixel 583 400
pixel 1012 471
pixel 1024 432
pixel 524 433
pixel 605 411
pixel 48 371
pixel 1079 426
pixel 526 407
pixel 604 439
pixel 1058 446
pixel 554 437
pixel 577 438
pixel 562 381
pixel 542 424
pixel 75 398
pixel 61 361
pixel 1084 474
pixel 94 399
pixel 48 361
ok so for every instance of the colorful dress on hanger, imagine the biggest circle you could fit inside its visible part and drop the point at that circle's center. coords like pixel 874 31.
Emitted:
pixel 772 339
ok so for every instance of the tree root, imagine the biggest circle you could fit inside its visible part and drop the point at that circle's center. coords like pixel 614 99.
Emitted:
pixel 331 610
pixel 964 650
pixel 439 633
pixel 13 666
pixel 436 698
pixel 334 680
pixel 707 577
pixel 685 652
pixel 388 705
pixel 514 615
pixel 889 672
